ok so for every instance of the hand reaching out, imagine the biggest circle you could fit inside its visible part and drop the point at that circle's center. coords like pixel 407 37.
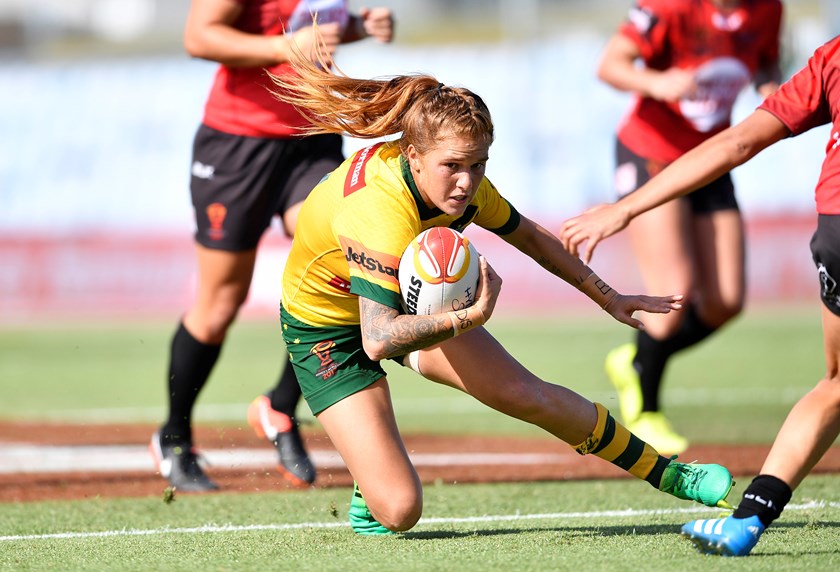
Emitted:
pixel 591 227
pixel 622 307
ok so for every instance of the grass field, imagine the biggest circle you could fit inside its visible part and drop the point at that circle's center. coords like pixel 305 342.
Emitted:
pixel 737 387
pixel 595 525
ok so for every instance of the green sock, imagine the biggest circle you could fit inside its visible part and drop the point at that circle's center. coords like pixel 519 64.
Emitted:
pixel 360 518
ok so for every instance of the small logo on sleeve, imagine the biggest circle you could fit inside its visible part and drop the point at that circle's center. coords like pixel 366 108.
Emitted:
pixel 356 175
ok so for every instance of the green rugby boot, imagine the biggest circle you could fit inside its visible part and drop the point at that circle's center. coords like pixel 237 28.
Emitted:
pixel 706 484
pixel 360 518
pixel 624 377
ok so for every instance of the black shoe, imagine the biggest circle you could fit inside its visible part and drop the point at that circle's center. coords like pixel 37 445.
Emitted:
pixel 282 431
pixel 293 457
pixel 179 464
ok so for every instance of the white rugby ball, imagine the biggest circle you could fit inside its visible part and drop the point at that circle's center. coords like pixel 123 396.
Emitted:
pixel 438 272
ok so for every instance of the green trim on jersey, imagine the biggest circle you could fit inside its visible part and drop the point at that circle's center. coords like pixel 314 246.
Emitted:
pixel 376 293
pixel 511 224
pixel 423 209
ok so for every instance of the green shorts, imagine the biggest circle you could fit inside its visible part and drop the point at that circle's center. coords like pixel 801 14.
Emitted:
pixel 330 362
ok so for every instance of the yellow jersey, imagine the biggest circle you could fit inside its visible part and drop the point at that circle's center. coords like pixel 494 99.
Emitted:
pixel 355 225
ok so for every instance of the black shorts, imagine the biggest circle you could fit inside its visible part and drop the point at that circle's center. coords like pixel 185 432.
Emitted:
pixel 633 171
pixel 825 248
pixel 239 183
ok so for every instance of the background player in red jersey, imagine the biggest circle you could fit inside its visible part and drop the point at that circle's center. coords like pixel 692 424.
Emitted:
pixel 697 55
pixel 811 98
pixel 250 163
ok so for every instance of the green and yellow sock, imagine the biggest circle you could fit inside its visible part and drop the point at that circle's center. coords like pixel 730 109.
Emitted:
pixel 613 442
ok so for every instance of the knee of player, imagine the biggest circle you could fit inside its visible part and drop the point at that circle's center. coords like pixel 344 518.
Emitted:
pixel 398 514
pixel 219 320
pixel 718 312
pixel 829 388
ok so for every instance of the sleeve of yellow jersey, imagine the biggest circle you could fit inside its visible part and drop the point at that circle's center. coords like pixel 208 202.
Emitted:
pixel 495 213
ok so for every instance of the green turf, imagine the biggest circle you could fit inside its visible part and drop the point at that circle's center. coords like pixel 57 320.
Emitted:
pixel 736 387
pixel 743 381
pixel 520 526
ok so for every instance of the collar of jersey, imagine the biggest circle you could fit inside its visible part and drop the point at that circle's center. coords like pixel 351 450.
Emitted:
pixel 425 212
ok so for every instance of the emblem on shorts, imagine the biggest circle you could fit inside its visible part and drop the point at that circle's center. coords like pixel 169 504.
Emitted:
pixel 216 213
pixel 322 351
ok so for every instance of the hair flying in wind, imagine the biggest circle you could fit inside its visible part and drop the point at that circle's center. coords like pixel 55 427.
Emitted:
pixel 418 106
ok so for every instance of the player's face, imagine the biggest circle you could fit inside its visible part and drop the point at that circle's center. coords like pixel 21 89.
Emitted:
pixel 448 175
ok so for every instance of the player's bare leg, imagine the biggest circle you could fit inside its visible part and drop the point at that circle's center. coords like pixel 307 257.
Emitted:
pixel 814 422
pixel 477 364
pixel 224 279
pixel 364 432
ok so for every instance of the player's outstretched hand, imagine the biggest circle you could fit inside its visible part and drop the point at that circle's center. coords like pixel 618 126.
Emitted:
pixel 489 287
pixel 622 307
pixel 591 227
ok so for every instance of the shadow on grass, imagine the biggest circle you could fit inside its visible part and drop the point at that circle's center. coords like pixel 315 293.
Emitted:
pixel 628 530
pixel 580 530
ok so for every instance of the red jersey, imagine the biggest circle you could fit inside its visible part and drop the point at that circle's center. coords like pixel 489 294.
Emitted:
pixel 724 48
pixel 240 102
pixel 809 99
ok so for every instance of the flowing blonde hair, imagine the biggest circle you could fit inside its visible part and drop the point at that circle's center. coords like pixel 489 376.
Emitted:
pixel 417 105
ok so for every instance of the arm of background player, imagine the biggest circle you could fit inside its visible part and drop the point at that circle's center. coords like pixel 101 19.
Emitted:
pixel 618 68
pixel 376 23
pixel 703 164
pixel 210 34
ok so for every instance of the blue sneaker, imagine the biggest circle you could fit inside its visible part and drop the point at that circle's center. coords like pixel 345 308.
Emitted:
pixel 728 536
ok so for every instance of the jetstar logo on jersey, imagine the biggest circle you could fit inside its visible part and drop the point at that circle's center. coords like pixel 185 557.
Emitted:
pixel 356 175
pixel 378 265
pixel 322 351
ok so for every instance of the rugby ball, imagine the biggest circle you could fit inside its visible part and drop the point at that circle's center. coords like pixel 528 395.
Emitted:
pixel 438 272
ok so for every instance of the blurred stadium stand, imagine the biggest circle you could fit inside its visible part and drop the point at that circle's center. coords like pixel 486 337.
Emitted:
pixel 100 104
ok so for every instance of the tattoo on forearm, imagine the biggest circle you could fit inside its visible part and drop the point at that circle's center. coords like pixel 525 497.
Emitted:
pixel 603 286
pixel 548 265
pixel 402 333
pixel 463 317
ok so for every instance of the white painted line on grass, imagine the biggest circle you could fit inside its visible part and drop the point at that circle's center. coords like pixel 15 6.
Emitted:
pixel 27 458
pixel 423 521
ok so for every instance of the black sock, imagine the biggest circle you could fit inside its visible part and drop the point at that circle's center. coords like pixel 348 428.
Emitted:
pixel 190 363
pixel 655 476
pixel 766 497
pixel 653 355
pixel 286 394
